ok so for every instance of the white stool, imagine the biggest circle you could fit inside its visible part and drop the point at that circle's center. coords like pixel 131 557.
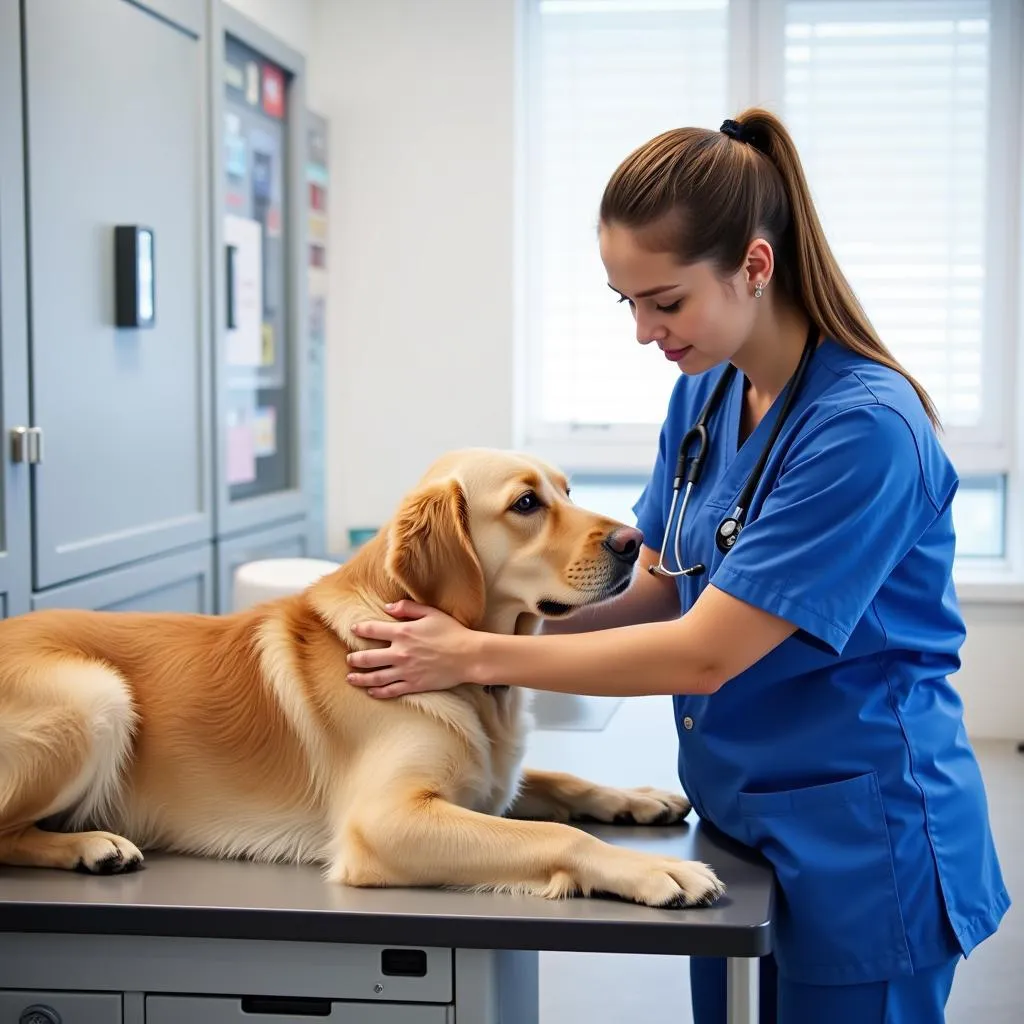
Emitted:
pixel 276 577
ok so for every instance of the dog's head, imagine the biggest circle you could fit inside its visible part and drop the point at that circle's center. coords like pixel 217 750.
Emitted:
pixel 489 535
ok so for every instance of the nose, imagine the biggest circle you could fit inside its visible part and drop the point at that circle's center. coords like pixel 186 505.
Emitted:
pixel 647 329
pixel 624 543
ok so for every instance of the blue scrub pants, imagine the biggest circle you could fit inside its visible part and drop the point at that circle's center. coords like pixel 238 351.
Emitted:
pixel 917 999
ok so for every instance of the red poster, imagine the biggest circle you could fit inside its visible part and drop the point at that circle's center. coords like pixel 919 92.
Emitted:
pixel 273 91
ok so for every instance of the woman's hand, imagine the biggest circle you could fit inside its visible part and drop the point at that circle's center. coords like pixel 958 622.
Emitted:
pixel 429 651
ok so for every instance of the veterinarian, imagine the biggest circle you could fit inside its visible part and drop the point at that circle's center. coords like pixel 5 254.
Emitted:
pixel 806 629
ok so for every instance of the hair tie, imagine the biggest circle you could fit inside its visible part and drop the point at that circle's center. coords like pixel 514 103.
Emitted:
pixel 736 131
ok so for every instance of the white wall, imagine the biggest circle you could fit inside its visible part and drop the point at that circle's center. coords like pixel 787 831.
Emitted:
pixel 421 102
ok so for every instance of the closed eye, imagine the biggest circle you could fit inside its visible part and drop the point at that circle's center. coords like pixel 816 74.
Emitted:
pixel 527 504
pixel 672 307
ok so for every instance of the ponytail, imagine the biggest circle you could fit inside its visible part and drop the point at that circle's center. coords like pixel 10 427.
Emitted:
pixel 712 192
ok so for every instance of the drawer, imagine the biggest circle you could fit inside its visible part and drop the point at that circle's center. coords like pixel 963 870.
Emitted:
pixel 223 1010
pixel 59 1008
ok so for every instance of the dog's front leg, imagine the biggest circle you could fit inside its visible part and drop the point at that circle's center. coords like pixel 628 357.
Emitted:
pixel 558 796
pixel 421 839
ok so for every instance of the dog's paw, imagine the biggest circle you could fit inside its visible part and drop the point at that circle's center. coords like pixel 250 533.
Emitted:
pixel 103 853
pixel 653 881
pixel 642 806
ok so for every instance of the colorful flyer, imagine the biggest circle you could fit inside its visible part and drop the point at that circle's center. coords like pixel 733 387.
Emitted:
pixel 234 146
pixel 269 351
pixel 273 91
pixel 252 83
pixel 264 432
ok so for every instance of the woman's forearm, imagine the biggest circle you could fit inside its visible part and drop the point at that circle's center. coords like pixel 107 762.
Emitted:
pixel 652 658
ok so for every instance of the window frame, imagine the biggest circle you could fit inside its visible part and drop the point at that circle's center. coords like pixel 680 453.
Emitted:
pixel 755 75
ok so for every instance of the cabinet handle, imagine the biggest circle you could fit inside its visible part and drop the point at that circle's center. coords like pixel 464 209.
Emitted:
pixel 287 1006
pixel 27 445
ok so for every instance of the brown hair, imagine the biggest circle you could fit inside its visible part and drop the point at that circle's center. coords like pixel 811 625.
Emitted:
pixel 704 195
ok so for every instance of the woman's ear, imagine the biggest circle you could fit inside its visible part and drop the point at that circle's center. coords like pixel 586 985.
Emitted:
pixel 431 555
pixel 759 263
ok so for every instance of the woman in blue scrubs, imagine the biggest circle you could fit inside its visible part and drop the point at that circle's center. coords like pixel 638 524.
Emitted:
pixel 810 665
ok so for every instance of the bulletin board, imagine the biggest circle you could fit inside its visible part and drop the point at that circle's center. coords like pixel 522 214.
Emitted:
pixel 260 391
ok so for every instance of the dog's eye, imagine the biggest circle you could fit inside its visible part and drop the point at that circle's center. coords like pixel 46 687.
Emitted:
pixel 529 502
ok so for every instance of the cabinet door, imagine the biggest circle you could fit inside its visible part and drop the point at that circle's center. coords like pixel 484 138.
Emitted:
pixel 73 1007
pixel 15 580
pixel 260 270
pixel 271 1010
pixel 181 582
pixel 116 101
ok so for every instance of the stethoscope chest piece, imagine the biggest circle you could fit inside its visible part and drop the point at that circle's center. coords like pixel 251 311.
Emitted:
pixel 727 533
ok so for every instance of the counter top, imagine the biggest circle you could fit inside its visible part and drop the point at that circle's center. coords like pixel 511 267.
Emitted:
pixel 197 897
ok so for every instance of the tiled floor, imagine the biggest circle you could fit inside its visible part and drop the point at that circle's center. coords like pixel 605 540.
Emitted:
pixel 637 747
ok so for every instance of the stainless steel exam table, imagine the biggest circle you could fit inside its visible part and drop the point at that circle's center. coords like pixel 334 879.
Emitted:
pixel 194 941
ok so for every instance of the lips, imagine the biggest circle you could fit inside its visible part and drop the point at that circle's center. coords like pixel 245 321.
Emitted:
pixel 673 355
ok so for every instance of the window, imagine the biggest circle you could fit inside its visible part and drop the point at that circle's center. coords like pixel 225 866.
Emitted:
pixel 907 114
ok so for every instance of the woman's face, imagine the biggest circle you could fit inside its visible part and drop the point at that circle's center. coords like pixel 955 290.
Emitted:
pixel 697 318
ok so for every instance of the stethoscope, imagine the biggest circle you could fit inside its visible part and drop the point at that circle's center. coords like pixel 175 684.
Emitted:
pixel 689 467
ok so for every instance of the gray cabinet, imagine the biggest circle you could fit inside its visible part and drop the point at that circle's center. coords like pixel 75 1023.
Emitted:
pixel 177 439
pixel 15 563
pixel 179 582
pixel 116 134
pixel 286 540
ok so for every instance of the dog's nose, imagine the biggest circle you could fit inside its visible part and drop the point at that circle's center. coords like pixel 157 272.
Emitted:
pixel 625 543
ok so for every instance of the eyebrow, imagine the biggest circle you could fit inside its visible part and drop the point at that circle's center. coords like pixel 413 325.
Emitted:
pixel 648 292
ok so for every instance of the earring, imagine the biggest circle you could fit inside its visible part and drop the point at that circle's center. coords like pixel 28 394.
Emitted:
pixel 758 289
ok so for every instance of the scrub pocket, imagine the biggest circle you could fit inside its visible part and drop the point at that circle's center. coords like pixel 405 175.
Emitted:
pixel 837 912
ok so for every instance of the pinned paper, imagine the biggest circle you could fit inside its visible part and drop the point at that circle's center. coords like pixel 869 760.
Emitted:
pixel 234 146
pixel 273 91
pixel 269 356
pixel 252 83
pixel 241 454
pixel 244 341
pixel 264 431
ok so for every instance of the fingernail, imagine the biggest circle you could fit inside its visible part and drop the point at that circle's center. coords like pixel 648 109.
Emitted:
pixel 390 607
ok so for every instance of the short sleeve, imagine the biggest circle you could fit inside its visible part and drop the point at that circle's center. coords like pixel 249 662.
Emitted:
pixel 650 506
pixel 850 502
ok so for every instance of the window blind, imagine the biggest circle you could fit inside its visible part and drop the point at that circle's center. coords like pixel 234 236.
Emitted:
pixel 887 101
pixel 609 75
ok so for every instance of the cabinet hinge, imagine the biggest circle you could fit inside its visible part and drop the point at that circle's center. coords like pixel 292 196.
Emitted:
pixel 27 445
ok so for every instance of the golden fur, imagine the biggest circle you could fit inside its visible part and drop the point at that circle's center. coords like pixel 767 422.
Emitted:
pixel 239 736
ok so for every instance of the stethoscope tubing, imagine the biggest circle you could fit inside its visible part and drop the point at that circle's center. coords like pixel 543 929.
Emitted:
pixel 689 468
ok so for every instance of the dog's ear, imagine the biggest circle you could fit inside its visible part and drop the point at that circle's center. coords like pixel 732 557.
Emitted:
pixel 430 553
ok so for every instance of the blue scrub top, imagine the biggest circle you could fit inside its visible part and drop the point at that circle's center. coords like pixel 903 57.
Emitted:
pixel 841 756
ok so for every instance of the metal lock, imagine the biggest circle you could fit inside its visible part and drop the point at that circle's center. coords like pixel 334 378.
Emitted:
pixel 39 1015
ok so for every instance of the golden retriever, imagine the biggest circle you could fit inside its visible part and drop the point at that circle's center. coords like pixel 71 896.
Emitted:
pixel 239 736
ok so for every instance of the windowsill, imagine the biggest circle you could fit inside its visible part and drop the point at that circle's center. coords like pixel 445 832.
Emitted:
pixel 988 584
